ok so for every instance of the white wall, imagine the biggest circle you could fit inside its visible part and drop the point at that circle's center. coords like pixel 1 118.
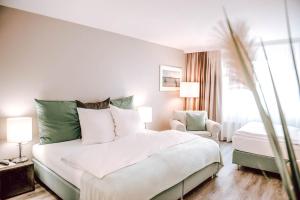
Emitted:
pixel 46 58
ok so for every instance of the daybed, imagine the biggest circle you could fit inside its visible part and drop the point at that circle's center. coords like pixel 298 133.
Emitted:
pixel 251 147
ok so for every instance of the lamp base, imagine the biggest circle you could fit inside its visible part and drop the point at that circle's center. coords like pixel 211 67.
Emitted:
pixel 19 160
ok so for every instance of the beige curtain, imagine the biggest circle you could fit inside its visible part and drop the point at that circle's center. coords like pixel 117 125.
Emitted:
pixel 205 68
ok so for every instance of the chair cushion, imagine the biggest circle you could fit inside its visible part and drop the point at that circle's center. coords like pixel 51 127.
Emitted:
pixel 181 115
pixel 195 121
pixel 201 133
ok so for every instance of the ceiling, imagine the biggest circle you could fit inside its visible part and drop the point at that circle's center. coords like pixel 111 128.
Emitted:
pixel 183 24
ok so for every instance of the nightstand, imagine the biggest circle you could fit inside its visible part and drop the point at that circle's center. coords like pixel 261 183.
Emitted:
pixel 17 179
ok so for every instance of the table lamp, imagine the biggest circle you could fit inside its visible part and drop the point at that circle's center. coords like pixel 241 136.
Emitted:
pixel 189 89
pixel 19 130
pixel 145 114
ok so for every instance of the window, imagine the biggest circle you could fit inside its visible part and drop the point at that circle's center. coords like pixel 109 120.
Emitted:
pixel 238 103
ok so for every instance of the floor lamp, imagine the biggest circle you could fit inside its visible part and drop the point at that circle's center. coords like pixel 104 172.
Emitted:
pixel 189 90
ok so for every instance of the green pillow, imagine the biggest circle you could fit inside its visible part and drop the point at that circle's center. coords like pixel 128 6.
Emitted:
pixel 58 121
pixel 125 102
pixel 195 121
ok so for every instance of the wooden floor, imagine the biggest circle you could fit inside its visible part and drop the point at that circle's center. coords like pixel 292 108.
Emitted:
pixel 231 184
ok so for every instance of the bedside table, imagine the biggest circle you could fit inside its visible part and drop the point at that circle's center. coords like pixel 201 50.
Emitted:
pixel 16 179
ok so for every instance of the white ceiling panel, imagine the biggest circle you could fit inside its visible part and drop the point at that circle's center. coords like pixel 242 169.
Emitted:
pixel 182 24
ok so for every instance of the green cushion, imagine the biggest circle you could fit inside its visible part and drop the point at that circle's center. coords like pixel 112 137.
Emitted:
pixel 125 102
pixel 58 121
pixel 195 121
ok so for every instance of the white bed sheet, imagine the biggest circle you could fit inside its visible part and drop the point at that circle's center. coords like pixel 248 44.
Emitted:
pixel 50 155
pixel 253 138
pixel 124 151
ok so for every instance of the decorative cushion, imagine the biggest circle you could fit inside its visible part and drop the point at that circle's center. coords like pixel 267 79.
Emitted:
pixel 125 102
pixel 195 121
pixel 181 115
pixel 126 121
pixel 96 105
pixel 58 121
pixel 96 125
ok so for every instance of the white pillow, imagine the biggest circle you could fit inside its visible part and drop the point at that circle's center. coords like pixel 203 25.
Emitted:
pixel 97 126
pixel 126 121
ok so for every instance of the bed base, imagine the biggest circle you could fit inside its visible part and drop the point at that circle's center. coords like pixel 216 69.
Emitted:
pixel 54 182
pixel 188 184
pixel 67 191
pixel 256 161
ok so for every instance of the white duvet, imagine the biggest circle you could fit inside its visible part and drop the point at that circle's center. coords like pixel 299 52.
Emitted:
pixel 103 159
pixel 257 130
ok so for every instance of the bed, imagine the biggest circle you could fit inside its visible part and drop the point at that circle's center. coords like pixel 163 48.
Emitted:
pixel 251 146
pixel 167 174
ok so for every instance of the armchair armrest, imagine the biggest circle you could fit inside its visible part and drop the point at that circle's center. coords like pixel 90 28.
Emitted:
pixel 177 125
pixel 214 128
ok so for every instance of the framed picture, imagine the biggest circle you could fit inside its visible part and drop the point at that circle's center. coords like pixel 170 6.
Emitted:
pixel 170 78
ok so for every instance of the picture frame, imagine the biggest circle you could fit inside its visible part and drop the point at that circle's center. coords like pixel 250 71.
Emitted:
pixel 170 78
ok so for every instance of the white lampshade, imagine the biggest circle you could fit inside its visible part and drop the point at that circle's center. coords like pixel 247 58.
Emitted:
pixel 145 114
pixel 19 129
pixel 189 89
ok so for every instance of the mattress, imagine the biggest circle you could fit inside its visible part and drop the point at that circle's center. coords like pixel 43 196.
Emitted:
pixel 253 138
pixel 50 155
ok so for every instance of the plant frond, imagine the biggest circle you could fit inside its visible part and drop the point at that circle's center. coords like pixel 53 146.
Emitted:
pixel 241 31
pixel 291 44
pixel 288 142
pixel 242 63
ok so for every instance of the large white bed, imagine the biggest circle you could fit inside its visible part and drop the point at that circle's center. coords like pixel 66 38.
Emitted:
pixel 70 163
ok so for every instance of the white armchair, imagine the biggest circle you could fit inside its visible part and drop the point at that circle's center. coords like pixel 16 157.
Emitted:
pixel 178 122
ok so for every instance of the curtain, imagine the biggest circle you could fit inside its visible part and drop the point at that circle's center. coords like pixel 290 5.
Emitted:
pixel 205 68
pixel 239 106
